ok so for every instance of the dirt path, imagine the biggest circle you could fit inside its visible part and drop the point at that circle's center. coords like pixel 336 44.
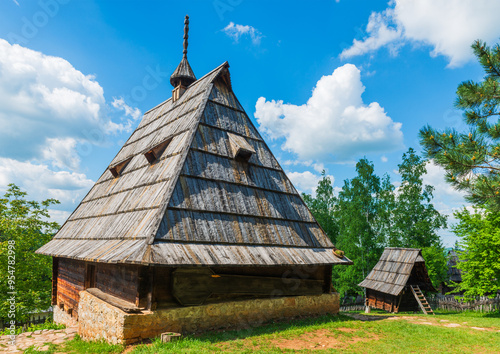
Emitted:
pixel 427 320
pixel 39 339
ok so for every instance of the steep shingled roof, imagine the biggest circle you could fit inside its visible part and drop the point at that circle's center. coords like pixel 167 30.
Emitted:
pixel 391 273
pixel 176 195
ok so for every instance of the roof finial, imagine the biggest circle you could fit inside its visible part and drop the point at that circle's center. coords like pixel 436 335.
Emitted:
pixel 186 30
pixel 183 75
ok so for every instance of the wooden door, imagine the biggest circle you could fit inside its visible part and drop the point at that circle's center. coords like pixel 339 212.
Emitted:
pixel 90 276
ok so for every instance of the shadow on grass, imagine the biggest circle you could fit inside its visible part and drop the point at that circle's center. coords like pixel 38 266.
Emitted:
pixel 269 328
pixel 364 318
pixel 492 315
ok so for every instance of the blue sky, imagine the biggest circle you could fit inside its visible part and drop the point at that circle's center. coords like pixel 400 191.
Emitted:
pixel 326 82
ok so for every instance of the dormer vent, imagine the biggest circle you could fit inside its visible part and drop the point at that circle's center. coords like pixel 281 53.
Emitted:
pixel 155 153
pixel 241 149
pixel 117 169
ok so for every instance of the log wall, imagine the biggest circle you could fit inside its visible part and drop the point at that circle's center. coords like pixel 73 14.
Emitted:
pixel 288 279
pixel 120 280
pixel 151 287
pixel 70 281
pixel 382 301
pixel 73 276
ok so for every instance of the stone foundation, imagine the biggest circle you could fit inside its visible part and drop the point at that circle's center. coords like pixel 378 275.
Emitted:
pixel 99 320
pixel 61 316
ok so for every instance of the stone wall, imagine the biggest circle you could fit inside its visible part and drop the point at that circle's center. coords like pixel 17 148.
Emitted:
pixel 60 316
pixel 100 320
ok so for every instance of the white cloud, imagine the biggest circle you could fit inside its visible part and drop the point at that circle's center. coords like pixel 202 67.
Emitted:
pixel 50 113
pixel 42 183
pixel 334 123
pixel 318 167
pixel 59 216
pixel 306 182
pixel 236 31
pixel 449 27
pixel 380 33
pixel 61 153
pixel 119 103
pixel 47 107
pixel 384 158
pixel 446 200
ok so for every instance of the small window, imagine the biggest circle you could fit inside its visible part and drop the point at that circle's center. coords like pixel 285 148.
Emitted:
pixel 242 150
pixel 117 170
pixel 154 154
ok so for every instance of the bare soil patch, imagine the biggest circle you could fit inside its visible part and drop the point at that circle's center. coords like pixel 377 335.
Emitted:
pixel 321 339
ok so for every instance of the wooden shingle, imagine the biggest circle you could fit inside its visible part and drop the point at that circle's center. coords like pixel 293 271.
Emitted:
pixel 190 201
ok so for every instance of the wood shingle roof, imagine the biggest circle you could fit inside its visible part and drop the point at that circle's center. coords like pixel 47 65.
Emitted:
pixel 195 204
pixel 392 271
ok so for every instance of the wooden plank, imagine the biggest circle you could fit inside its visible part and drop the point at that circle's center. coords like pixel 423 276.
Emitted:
pixel 114 301
pixel 55 265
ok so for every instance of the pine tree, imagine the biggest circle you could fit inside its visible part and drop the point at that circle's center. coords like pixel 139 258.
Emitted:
pixel 472 159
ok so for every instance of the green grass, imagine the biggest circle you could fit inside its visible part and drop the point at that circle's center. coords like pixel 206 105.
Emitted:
pixel 349 335
pixel 78 346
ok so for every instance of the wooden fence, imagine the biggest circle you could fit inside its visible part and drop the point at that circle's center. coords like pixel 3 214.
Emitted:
pixel 450 303
pixel 35 318
pixel 351 303
pixel 437 302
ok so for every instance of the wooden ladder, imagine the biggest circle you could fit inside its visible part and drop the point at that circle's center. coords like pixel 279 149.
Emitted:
pixel 422 301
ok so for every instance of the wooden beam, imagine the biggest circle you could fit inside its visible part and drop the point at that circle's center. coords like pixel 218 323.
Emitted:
pixel 114 301
pixel 327 288
pixel 150 288
pixel 55 269
pixel 192 286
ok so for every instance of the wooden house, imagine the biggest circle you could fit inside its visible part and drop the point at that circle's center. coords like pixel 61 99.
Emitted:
pixel 194 210
pixel 454 274
pixel 397 280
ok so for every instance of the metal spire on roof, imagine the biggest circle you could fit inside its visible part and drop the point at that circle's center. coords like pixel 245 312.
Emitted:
pixel 186 30
pixel 183 75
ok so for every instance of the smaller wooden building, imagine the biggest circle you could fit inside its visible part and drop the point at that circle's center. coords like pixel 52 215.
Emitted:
pixel 396 281
pixel 454 274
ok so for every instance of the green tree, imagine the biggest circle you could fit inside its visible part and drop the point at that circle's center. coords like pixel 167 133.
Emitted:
pixel 415 220
pixel 322 206
pixel 435 262
pixel 357 215
pixel 24 226
pixel 472 158
pixel 480 238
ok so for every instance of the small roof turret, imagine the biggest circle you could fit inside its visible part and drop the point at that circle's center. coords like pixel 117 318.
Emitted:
pixel 183 75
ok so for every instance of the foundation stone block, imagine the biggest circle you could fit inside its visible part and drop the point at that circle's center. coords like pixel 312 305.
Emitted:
pixel 100 320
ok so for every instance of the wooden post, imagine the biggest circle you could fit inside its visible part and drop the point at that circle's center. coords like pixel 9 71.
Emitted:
pixel 150 288
pixel 90 276
pixel 328 280
pixel 55 272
